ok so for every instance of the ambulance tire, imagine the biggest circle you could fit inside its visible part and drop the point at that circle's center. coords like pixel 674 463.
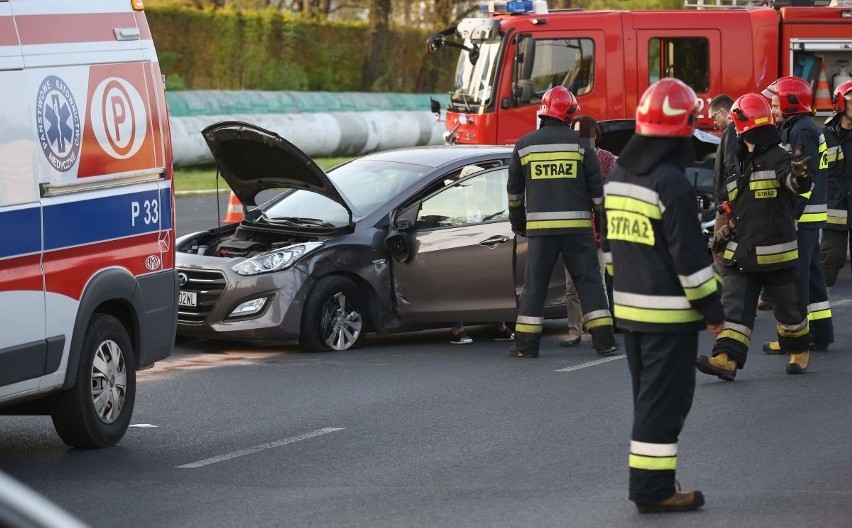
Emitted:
pixel 74 414
pixel 333 318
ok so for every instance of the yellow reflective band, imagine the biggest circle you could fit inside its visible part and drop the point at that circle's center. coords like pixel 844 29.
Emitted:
pixel 718 278
pixel 544 170
pixel 778 257
pixel 736 336
pixel 647 315
pixel 823 159
pixel 836 220
pixel 807 195
pixel 763 184
pixel 516 203
pixel 551 156
pixel 653 463
pixel 813 217
pixel 609 269
pixel 795 333
pixel 732 195
pixel 528 328
pixel 819 314
pixel 728 254
pixel 630 227
pixel 556 224
pixel 603 321
pixel 626 203
pixel 699 292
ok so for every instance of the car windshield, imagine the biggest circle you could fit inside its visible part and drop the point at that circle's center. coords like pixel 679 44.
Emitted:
pixel 473 81
pixel 365 183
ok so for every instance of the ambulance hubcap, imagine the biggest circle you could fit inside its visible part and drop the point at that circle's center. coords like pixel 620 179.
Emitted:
pixel 109 381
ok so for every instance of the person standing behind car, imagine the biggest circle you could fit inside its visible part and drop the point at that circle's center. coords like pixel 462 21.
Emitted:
pixel 800 136
pixel 589 131
pixel 726 163
pixel 838 138
pixel 553 185
pixel 762 249
pixel 665 286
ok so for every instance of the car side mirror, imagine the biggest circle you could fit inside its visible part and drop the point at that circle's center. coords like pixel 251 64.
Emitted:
pixel 399 246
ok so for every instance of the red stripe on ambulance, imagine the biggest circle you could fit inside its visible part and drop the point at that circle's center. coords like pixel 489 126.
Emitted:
pixel 67 29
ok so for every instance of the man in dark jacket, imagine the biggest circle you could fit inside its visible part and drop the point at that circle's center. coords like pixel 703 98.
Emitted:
pixel 762 250
pixel 665 287
pixel 838 138
pixel 554 184
pixel 726 159
pixel 801 137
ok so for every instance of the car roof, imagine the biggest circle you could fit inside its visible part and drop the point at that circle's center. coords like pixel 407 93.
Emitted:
pixel 440 155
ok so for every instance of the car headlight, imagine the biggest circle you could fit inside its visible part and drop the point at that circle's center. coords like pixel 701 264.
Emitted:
pixel 276 260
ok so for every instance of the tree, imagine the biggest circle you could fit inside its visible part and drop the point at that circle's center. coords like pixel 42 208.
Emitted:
pixel 378 35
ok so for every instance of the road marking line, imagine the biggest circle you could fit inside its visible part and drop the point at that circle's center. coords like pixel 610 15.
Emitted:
pixel 590 364
pixel 258 448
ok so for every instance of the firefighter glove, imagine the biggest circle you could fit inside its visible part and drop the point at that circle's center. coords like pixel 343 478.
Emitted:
pixel 800 168
pixel 721 238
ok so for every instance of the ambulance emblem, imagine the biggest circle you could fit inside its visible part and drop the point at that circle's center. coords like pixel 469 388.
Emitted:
pixel 58 123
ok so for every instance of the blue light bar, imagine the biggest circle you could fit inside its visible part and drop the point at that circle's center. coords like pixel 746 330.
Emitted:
pixel 512 7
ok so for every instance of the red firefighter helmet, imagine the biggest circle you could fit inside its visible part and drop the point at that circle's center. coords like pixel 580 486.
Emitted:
pixel 795 94
pixel 667 109
pixel 751 111
pixel 560 103
pixel 842 93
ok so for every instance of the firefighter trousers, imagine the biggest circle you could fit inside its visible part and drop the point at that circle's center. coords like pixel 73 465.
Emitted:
pixel 740 292
pixel 581 261
pixel 662 369
pixel 833 250
pixel 812 286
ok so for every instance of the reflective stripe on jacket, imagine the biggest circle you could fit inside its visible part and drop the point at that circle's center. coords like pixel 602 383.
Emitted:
pixel 801 137
pixel 839 175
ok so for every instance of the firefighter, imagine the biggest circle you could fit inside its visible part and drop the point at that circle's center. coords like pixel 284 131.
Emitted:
pixel 554 184
pixel 665 286
pixel 838 138
pixel 760 247
pixel 800 136
pixel 726 159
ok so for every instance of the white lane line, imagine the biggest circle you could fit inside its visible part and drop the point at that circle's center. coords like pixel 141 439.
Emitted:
pixel 258 448
pixel 590 364
pixel 840 301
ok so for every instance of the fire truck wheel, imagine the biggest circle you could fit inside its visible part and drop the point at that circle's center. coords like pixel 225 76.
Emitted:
pixel 333 318
pixel 96 411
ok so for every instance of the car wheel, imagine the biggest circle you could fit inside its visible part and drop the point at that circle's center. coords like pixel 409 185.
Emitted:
pixel 332 319
pixel 96 411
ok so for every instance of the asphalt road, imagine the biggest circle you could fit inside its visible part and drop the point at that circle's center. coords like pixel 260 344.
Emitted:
pixel 411 431
pixel 199 212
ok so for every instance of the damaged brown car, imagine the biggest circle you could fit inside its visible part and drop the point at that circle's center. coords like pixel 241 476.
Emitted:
pixel 389 242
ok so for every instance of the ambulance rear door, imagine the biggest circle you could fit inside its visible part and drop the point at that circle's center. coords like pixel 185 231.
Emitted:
pixel 23 351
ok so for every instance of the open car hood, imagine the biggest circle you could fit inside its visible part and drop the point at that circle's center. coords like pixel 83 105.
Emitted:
pixel 252 159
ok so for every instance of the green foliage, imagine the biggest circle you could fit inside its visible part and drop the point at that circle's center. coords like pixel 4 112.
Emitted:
pixel 228 49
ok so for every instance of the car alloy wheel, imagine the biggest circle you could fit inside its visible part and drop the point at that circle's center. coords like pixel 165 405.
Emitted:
pixel 341 324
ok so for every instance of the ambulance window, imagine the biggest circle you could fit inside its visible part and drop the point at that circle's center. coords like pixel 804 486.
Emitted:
pixel 563 62
pixel 686 58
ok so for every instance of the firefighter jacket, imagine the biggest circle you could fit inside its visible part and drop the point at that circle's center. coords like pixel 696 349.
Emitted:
pixel 801 137
pixel 663 278
pixel 763 200
pixel 554 183
pixel 839 143
pixel 726 162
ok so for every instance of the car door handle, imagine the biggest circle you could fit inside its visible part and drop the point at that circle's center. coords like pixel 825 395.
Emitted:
pixel 495 241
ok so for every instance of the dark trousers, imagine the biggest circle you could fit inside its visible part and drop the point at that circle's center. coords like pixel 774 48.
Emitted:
pixel 662 368
pixel 812 287
pixel 739 297
pixel 833 252
pixel 581 261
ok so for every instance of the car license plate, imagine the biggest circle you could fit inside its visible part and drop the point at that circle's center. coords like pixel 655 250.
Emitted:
pixel 187 298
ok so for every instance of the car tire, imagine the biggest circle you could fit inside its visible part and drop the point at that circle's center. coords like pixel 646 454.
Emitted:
pixel 333 317
pixel 96 411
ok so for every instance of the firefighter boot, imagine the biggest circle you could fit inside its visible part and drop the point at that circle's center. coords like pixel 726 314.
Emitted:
pixel 603 339
pixel 679 502
pixel 526 345
pixel 720 365
pixel 772 347
pixel 799 362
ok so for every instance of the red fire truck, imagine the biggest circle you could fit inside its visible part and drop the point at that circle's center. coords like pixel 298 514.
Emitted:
pixel 517 50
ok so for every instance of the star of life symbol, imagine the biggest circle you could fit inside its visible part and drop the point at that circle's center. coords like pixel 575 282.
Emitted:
pixel 58 123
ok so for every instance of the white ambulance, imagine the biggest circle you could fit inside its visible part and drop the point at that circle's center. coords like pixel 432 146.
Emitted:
pixel 87 281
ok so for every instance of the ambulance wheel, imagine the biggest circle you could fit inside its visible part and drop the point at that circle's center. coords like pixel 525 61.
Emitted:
pixel 96 411
pixel 333 318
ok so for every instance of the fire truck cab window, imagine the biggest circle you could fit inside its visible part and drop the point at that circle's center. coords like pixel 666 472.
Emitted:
pixel 563 62
pixel 687 58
